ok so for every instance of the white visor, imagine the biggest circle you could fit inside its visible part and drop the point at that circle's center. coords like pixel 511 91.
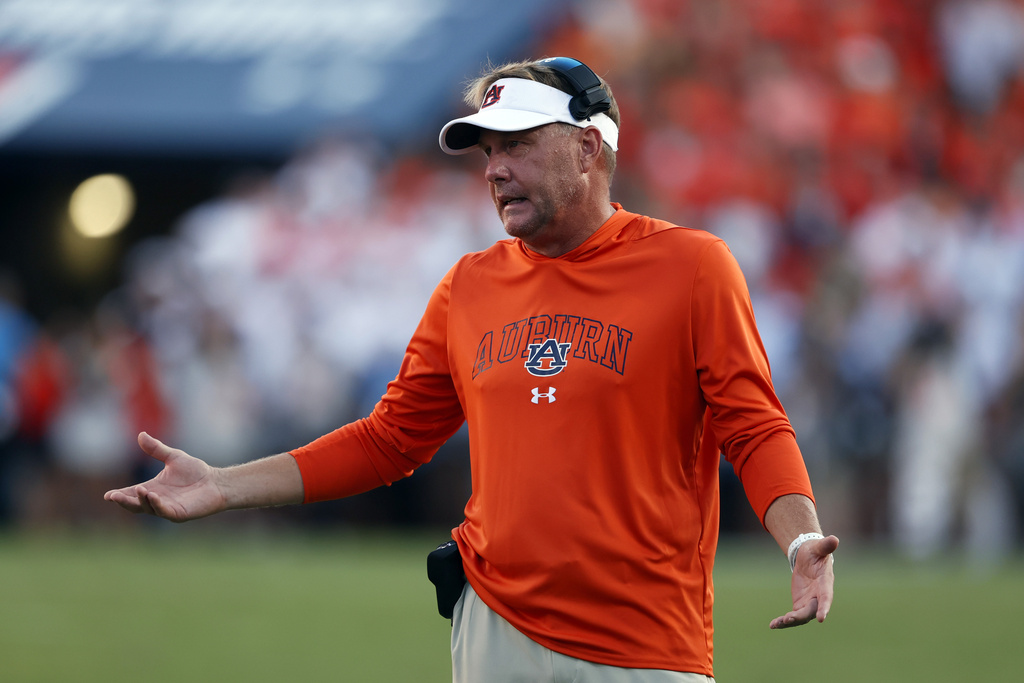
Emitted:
pixel 513 104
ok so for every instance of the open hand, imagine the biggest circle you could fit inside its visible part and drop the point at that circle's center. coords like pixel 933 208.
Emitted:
pixel 184 489
pixel 812 584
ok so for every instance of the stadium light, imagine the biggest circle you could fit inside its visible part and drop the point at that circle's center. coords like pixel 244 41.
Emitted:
pixel 102 205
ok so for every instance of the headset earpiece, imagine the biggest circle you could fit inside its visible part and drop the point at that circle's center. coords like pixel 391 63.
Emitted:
pixel 589 97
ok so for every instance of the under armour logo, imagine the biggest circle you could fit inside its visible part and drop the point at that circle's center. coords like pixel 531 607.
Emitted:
pixel 538 395
pixel 547 358
pixel 492 96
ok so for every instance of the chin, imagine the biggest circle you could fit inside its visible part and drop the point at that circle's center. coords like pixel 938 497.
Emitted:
pixel 523 232
pixel 522 226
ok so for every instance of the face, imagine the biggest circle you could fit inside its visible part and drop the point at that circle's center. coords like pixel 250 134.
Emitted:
pixel 534 180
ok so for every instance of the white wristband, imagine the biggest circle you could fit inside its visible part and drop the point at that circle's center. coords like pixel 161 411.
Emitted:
pixel 795 546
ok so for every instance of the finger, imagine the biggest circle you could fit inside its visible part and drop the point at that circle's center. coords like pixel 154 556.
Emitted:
pixel 826 594
pixel 820 548
pixel 144 505
pixel 818 551
pixel 827 545
pixel 159 507
pixel 824 605
pixel 126 498
pixel 154 447
pixel 113 495
pixel 120 497
pixel 790 620
pixel 797 617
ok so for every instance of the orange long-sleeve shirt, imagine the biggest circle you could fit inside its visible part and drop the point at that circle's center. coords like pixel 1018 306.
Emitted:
pixel 590 383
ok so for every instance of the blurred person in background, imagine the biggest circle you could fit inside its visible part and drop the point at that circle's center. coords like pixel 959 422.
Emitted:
pixel 602 361
pixel 113 389
pixel 18 414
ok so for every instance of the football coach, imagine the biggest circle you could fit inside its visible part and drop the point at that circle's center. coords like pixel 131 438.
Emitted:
pixel 603 362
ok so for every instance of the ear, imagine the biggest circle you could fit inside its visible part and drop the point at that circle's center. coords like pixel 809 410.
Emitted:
pixel 591 143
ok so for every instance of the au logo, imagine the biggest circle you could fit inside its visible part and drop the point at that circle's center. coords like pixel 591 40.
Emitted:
pixel 492 96
pixel 547 358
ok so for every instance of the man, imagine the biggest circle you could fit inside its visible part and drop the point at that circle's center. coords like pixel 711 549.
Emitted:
pixel 602 361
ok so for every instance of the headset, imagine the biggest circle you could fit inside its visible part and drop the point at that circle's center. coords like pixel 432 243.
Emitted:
pixel 589 97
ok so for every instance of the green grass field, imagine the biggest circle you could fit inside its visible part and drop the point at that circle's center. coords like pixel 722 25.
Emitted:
pixel 186 605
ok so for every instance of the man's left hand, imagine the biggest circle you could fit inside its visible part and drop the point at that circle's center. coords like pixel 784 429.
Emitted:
pixel 812 585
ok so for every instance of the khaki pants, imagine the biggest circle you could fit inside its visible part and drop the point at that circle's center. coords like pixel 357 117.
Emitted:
pixel 487 649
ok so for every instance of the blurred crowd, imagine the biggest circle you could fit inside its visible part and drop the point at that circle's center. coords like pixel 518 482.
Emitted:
pixel 863 159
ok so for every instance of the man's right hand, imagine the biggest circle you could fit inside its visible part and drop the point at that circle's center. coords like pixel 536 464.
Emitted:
pixel 185 488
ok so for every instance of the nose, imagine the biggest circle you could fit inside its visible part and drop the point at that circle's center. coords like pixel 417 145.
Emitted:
pixel 497 170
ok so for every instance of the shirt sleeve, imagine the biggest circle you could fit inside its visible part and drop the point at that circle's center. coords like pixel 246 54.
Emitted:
pixel 747 419
pixel 417 414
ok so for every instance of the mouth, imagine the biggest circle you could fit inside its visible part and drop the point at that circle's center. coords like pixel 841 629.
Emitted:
pixel 505 202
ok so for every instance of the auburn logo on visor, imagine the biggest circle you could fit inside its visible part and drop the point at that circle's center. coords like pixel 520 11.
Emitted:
pixel 492 96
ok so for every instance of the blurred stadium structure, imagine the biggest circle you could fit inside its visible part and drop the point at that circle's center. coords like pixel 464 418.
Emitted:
pixel 239 76
pixel 864 159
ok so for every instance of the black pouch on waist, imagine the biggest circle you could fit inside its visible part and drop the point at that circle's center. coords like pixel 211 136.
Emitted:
pixel 444 569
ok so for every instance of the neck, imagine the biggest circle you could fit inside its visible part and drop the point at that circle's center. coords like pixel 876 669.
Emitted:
pixel 582 224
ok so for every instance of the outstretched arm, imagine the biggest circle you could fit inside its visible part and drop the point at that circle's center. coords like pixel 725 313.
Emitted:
pixel 813 580
pixel 188 488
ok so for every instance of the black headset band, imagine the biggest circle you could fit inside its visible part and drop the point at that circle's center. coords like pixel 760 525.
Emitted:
pixel 589 97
